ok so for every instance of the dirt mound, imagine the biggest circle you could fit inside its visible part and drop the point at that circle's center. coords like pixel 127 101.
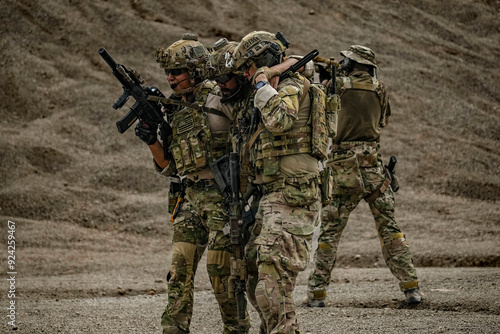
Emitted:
pixel 61 158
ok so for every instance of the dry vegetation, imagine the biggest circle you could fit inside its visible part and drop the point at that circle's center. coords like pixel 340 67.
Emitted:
pixel 86 198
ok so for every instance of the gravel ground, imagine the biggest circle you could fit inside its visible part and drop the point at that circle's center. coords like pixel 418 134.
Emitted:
pixel 457 300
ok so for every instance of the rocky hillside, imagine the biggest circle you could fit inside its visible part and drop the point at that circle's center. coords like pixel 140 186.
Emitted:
pixel 62 160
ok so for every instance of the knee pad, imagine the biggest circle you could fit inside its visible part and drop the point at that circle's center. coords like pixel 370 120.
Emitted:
pixel 263 296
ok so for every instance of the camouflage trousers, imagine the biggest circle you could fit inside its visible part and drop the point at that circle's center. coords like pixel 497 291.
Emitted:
pixel 358 181
pixel 279 248
pixel 202 211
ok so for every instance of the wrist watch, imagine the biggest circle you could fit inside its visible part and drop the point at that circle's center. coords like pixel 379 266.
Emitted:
pixel 261 84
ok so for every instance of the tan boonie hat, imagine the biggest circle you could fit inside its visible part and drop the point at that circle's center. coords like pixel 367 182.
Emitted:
pixel 360 54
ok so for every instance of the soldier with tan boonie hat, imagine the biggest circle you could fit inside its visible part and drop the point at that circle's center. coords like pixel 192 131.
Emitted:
pixel 358 173
pixel 360 54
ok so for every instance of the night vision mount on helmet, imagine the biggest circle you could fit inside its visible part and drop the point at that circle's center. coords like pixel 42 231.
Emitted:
pixel 260 47
pixel 217 64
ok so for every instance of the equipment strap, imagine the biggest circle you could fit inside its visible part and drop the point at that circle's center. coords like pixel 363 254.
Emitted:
pixel 194 105
pixel 307 84
pixel 378 192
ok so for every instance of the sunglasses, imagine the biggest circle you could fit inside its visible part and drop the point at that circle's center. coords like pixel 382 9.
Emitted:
pixel 246 66
pixel 224 78
pixel 175 71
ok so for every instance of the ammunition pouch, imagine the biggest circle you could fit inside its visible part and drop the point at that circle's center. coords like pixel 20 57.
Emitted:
pixel 347 178
pixel 326 185
pixel 332 110
pixel 302 190
pixel 320 123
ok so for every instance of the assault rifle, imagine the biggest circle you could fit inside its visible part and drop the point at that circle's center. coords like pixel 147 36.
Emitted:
pixel 143 108
pixel 221 171
pixel 392 172
pixel 302 62
pixel 237 286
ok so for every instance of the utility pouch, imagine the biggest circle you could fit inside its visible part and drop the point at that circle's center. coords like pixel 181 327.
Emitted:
pixel 301 191
pixel 319 124
pixel 347 176
pixel 326 185
pixel 271 166
pixel 332 111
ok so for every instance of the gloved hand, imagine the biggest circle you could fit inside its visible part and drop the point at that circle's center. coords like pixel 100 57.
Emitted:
pixel 269 73
pixel 146 132
pixel 324 74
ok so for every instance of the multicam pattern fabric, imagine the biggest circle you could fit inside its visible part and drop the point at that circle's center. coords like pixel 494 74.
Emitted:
pixel 201 218
pixel 288 128
pixel 193 143
pixel 279 248
pixel 280 244
pixel 202 208
pixel 186 53
pixel 361 54
pixel 218 59
pixel 253 45
pixel 189 241
pixel 358 173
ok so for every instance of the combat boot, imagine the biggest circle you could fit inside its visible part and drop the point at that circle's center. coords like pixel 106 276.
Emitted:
pixel 316 303
pixel 315 299
pixel 413 297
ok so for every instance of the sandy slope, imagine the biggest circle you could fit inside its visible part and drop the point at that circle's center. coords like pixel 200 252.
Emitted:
pixel 91 213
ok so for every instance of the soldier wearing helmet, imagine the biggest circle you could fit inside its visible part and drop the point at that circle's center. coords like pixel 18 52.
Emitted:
pixel 186 60
pixel 200 137
pixel 359 173
pixel 282 165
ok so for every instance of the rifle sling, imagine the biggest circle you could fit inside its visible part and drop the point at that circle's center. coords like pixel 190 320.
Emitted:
pixel 196 106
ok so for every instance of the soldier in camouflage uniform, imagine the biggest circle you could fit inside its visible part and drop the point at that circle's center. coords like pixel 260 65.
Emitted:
pixel 238 92
pixel 282 165
pixel 199 138
pixel 358 174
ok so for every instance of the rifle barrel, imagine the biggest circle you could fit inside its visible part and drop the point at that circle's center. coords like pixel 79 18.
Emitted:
pixel 107 58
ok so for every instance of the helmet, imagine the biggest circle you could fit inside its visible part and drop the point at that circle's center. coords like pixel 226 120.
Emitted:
pixel 262 47
pixel 360 54
pixel 217 64
pixel 187 53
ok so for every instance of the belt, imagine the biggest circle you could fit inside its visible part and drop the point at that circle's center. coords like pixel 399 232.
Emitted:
pixel 352 144
pixel 201 183
pixel 272 186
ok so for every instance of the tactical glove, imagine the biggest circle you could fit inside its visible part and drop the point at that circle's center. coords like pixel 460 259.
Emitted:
pixel 269 73
pixel 146 132
pixel 324 74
